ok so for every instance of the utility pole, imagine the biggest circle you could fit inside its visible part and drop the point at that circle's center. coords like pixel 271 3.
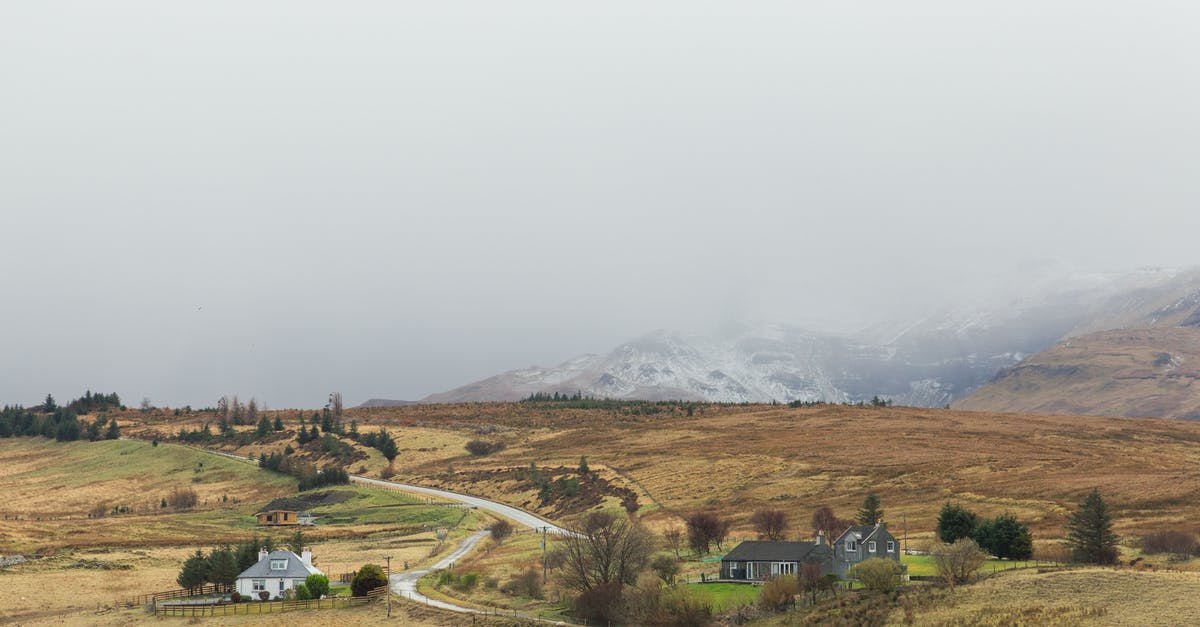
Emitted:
pixel 389 585
pixel 544 555
pixel 905 519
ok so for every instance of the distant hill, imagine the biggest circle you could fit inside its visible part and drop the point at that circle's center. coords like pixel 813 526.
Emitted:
pixel 386 402
pixel 1141 359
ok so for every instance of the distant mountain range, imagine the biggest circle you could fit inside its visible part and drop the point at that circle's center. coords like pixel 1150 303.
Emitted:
pixel 941 359
pixel 386 402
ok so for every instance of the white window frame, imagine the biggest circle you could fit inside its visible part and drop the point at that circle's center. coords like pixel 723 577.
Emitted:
pixel 871 546
pixel 282 585
pixel 891 546
pixel 258 585
pixel 279 564
pixel 851 544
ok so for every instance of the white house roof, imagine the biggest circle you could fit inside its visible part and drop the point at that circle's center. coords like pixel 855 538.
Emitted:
pixel 296 568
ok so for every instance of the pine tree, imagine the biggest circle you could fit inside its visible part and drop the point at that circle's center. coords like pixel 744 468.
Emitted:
pixel 583 465
pixel 194 573
pixel 222 567
pixel 955 522
pixel 278 423
pixel 869 513
pixel 114 432
pixel 1089 532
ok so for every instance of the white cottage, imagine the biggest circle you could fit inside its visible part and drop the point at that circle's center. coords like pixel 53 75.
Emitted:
pixel 275 573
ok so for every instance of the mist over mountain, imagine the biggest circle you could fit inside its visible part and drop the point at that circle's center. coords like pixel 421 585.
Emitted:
pixel 931 361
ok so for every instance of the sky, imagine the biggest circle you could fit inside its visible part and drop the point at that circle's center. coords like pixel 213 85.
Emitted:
pixel 391 199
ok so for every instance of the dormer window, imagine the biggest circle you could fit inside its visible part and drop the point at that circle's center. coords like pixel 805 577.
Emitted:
pixel 851 545
pixel 279 564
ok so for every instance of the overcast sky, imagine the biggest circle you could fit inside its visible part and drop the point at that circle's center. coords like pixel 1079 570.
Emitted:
pixel 282 199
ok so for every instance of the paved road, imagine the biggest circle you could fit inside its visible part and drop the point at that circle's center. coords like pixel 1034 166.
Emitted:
pixel 516 515
pixel 405 583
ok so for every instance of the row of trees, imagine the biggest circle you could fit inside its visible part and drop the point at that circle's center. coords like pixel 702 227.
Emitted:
pixel 1003 536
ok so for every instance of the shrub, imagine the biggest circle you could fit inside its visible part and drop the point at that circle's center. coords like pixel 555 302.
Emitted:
pixel 878 575
pixel 501 530
pixel 236 597
pixel 666 567
pixel 467 581
pixel 957 563
pixel 318 585
pixel 369 577
pixel 482 447
pixel 779 592
pixel 185 498
pixel 527 584
pixel 601 603
pixel 302 593
pixel 491 583
pixel 264 595
pixel 1177 543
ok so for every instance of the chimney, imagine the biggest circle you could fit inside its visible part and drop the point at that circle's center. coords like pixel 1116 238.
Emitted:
pixel 881 525
pixel 306 556
pixel 820 537
pixel 262 554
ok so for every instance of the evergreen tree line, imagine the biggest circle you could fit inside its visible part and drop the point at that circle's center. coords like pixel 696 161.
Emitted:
pixel 222 565
pixel 62 425
pixel 380 440
pixel 94 403
pixel 307 473
pixel 1003 536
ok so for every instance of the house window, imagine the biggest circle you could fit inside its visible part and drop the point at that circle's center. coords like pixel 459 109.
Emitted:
pixel 851 545
pixel 281 582
pixel 259 585
pixel 871 546
pixel 891 546
pixel 278 564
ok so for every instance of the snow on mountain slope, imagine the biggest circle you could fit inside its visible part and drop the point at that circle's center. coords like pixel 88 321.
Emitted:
pixel 930 362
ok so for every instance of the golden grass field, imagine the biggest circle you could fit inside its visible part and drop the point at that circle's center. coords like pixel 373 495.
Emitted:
pixel 727 459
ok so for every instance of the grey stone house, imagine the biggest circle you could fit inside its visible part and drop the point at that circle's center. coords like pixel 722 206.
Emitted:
pixel 757 560
pixel 860 543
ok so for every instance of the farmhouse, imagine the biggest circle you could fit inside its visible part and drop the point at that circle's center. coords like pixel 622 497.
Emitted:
pixel 275 573
pixel 278 517
pixel 756 560
pixel 862 542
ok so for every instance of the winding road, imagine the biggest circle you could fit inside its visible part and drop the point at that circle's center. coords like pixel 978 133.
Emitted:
pixel 405 583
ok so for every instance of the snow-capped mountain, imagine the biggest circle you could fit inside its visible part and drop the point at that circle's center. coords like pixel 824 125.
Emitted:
pixel 928 362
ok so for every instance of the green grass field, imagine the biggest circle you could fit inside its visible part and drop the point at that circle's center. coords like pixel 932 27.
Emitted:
pixel 369 506
pixel 922 565
pixel 724 596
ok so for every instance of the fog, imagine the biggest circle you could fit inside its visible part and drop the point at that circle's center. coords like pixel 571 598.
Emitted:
pixel 284 199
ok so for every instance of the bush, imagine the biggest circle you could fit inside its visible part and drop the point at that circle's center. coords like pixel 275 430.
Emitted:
pixel 264 595
pixel 779 592
pixel 501 530
pixel 957 563
pixel 1005 537
pixel 878 575
pixel 480 448
pixel 317 585
pixel 302 593
pixel 601 603
pixel 527 584
pixel 467 581
pixel 1176 543
pixel 236 597
pixel 367 579
pixel 666 567
pixel 185 498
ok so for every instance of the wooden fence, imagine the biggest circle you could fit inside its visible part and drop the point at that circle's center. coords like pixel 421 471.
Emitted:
pixel 144 599
pixel 269 607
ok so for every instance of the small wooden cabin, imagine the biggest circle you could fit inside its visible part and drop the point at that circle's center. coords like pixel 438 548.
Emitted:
pixel 278 517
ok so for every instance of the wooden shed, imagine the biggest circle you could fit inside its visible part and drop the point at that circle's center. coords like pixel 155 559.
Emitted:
pixel 276 517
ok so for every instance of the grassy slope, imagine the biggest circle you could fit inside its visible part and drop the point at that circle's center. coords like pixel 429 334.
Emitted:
pixel 1114 373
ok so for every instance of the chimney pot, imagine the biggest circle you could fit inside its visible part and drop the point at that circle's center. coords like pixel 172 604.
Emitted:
pixel 262 554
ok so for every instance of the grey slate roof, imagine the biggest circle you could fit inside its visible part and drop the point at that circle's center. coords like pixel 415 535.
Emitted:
pixel 762 551
pixel 296 568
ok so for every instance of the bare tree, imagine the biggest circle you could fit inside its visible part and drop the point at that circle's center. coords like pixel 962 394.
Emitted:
pixel 957 563
pixel 146 406
pixel 771 524
pixel 824 521
pixel 674 538
pixel 235 411
pixel 223 407
pixel 705 529
pixel 335 404
pixel 252 411
pixel 607 550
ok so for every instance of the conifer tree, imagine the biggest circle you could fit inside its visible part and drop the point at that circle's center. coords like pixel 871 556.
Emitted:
pixel 869 513
pixel 1089 532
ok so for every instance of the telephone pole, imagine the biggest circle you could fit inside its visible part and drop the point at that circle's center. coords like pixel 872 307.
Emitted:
pixel 388 558
pixel 544 556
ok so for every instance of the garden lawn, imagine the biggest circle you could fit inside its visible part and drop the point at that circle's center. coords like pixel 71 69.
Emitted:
pixel 724 596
